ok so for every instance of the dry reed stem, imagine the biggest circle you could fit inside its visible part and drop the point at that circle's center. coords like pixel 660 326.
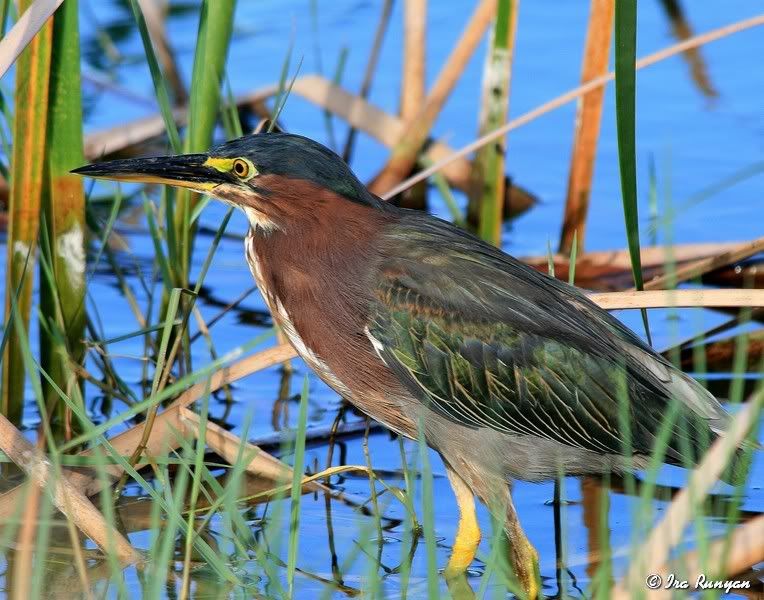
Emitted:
pixel 417 129
pixel 654 553
pixel 587 128
pixel 125 442
pixel 652 256
pixel 679 298
pixel 705 265
pixel 731 556
pixel 414 53
pixel 116 139
pixel 371 68
pixel 227 445
pixel 570 95
pixel 18 38
pixel 21 581
pixel 162 438
pixel 387 129
pixel 67 497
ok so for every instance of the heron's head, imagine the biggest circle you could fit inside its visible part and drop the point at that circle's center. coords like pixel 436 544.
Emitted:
pixel 274 178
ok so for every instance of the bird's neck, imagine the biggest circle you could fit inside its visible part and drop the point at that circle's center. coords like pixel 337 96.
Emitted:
pixel 322 263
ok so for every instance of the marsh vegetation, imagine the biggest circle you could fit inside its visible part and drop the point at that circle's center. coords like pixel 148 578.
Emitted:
pixel 159 437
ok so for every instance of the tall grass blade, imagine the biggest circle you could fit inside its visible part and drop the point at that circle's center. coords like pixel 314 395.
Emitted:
pixel 4 10
pixel 283 97
pixel 625 103
pixel 296 491
pixel 213 40
pixel 488 180
pixel 160 87
pixel 572 260
pixel 441 184
pixel 64 209
pixel 27 181
pixel 428 517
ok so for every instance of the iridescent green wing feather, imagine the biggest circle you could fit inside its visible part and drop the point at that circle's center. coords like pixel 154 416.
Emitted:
pixel 487 342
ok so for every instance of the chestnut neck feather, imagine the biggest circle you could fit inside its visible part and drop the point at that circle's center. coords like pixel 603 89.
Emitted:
pixel 321 264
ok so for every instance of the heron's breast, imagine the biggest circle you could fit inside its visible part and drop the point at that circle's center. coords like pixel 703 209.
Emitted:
pixel 284 320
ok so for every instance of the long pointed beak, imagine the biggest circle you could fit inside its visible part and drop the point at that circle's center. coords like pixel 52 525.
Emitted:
pixel 188 171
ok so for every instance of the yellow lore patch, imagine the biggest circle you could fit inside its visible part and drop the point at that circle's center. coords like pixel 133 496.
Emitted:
pixel 224 165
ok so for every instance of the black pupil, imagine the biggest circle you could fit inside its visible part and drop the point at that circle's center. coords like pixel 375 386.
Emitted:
pixel 240 168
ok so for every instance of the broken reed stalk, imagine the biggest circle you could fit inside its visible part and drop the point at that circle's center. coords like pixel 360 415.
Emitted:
pixel 587 125
pixel 406 151
pixel 119 138
pixel 126 441
pixel 162 439
pixel 21 577
pixel 706 265
pixel 698 40
pixel 66 496
pixel 27 183
pixel 371 68
pixel 486 196
pixel 653 554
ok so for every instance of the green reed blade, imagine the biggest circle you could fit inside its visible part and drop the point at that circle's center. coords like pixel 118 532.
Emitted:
pixel 488 180
pixel 160 86
pixel 428 517
pixel 64 206
pixel 625 104
pixel 572 260
pixel 169 391
pixel 213 41
pixel 298 468
pixel 91 432
pixel 441 184
pixel 25 198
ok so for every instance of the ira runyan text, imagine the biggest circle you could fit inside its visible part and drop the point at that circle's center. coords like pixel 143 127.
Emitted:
pixel 704 583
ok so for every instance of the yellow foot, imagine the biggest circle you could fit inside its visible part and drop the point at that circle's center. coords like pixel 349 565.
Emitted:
pixel 525 562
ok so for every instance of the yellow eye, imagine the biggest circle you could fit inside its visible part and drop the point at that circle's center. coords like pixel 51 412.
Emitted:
pixel 243 169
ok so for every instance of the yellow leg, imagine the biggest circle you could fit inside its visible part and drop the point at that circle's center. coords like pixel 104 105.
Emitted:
pixel 523 556
pixel 468 533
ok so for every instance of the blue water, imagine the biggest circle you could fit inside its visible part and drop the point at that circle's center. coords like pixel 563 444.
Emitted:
pixel 694 143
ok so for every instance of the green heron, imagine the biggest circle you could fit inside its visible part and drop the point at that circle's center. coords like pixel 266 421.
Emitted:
pixel 509 373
